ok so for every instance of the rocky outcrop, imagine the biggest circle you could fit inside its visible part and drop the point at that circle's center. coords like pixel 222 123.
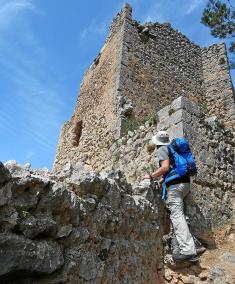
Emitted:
pixel 76 227
pixel 81 227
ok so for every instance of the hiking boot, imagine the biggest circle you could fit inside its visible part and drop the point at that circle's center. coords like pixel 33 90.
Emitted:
pixel 200 249
pixel 183 257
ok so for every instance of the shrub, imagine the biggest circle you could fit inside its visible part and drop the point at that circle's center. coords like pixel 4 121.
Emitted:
pixel 204 106
pixel 171 111
pixel 117 156
pixel 152 119
pixel 24 214
pixel 130 125
pixel 151 147
pixel 124 141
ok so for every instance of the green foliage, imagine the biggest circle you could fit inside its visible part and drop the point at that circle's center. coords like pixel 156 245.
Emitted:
pixel 219 16
pixel 151 147
pixel 117 156
pixel 204 106
pixel 171 111
pixel 123 141
pixel 152 119
pixel 24 214
pixel 149 168
pixel 132 123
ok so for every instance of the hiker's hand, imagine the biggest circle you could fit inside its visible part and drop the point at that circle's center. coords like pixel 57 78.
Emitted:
pixel 146 177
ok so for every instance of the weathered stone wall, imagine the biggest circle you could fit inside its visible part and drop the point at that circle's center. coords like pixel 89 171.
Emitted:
pixel 76 228
pixel 218 96
pixel 89 134
pixel 159 63
pixel 134 154
pixel 213 189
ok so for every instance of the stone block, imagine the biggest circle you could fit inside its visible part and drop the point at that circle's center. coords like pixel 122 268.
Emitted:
pixel 163 124
pixel 163 113
pixel 177 104
pixel 32 227
pixel 89 267
pixel 190 133
pixel 176 131
pixel 64 231
pixel 192 108
pixel 186 104
pixel 176 117
pixel 8 217
pixel 5 194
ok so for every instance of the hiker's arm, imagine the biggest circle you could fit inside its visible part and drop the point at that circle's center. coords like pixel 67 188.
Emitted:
pixel 165 166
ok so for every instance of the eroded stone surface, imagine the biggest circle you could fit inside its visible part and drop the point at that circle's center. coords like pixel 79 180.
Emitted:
pixel 82 228
pixel 20 254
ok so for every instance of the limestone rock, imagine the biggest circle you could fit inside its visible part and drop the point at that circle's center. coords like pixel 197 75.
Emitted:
pixel 82 227
pixel 217 274
pixel 31 227
pixel 64 231
pixel 4 174
pixel 229 258
pixel 20 254
pixel 5 194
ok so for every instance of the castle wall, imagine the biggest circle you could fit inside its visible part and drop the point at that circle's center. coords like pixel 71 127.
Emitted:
pixel 139 72
pixel 158 65
pixel 89 134
pixel 218 95
pixel 210 206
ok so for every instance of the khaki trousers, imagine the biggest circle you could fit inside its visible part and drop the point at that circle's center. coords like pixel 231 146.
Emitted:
pixel 175 203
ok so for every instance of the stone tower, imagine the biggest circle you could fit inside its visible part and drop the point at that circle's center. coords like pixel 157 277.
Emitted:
pixel 140 70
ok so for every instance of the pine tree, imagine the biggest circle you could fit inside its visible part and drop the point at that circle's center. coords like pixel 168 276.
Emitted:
pixel 219 16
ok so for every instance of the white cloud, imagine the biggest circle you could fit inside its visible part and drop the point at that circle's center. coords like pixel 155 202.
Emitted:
pixel 154 14
pixel 94 29
pixel 194 4
pixel 29 155
pixel 34 108
pixel 10 9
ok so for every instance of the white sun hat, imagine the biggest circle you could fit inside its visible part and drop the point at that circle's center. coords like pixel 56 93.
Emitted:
pixel 161 138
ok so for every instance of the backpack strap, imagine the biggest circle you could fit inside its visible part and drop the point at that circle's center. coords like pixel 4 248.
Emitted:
pixel 171 175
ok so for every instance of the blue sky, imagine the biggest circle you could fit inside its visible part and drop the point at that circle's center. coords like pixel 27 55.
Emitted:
pixel 45 48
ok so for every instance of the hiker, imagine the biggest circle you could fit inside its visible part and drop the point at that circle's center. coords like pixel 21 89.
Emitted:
pixel 177 189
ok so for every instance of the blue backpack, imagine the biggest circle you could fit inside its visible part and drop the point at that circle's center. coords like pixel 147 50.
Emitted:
pixel 183 163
